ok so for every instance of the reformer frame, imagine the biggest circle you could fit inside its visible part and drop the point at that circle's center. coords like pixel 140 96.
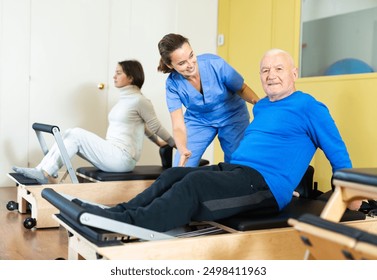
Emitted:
pixel 327 240
pixel 29 197
pixel 278 243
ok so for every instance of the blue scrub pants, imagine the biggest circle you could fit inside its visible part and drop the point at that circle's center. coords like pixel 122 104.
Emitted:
pixel 200 136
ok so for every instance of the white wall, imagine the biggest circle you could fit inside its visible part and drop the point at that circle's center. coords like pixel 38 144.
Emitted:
pixel 140 26
pixel 14 83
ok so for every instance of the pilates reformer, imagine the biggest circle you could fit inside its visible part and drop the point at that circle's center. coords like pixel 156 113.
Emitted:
pixel 265 228
pixel 28 190
pixel 324 238
pixel 24 201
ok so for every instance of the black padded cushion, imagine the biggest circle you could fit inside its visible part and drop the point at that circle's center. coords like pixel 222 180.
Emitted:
pixel 263 219
pixel 22 180
pixel 366 176
pixel 266 219
pixel 140 172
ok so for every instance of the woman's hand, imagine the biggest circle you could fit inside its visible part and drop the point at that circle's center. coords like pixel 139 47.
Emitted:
pixel 248 94
pixel 161 143
pixel 184 157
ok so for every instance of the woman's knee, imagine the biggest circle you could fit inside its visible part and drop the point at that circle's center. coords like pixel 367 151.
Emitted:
pixel 73 131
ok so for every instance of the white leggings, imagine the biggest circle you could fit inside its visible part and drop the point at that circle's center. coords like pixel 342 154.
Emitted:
pixel 89 146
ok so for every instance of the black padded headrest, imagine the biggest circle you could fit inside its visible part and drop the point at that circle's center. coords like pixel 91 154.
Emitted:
pixel 339 228
pixel 366 176
pixel 62 203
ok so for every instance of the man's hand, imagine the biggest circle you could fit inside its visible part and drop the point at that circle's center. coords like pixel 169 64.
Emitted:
pixel 354 205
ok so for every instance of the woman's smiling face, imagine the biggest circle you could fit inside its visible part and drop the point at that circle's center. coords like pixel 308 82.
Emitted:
pixel 183 60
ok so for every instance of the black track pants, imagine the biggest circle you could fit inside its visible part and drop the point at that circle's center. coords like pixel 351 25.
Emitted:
pixel 184 194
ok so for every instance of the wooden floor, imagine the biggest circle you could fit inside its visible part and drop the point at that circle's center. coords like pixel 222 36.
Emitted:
pixel 19 243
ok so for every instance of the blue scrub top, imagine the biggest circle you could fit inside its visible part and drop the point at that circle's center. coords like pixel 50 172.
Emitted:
pixel 219 104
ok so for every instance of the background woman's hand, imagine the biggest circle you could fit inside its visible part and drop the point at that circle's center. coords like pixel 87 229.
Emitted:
pixel 161 143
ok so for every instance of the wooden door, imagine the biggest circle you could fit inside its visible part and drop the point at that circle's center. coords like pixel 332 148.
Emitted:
pixel 68 60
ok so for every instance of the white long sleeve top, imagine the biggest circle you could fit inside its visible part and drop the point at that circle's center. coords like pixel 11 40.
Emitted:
pixel 131 118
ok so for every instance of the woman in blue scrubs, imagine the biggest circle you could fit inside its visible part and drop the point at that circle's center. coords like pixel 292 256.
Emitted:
pixel 213 94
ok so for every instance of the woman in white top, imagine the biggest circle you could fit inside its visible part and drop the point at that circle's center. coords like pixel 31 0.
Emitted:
pixel 131 118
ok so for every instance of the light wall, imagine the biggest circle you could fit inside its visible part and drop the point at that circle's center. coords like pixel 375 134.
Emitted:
pixel 263 24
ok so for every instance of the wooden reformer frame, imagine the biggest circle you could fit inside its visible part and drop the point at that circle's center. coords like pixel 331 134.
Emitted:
pixel 270 244
pixel 41 211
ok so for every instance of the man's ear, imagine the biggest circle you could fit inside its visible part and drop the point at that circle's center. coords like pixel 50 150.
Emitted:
pixel 295 73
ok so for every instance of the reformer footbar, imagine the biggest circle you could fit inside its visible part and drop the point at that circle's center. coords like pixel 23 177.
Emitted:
pixel 39 128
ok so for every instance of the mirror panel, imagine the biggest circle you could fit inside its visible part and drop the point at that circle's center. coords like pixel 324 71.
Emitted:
pixel 338 37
